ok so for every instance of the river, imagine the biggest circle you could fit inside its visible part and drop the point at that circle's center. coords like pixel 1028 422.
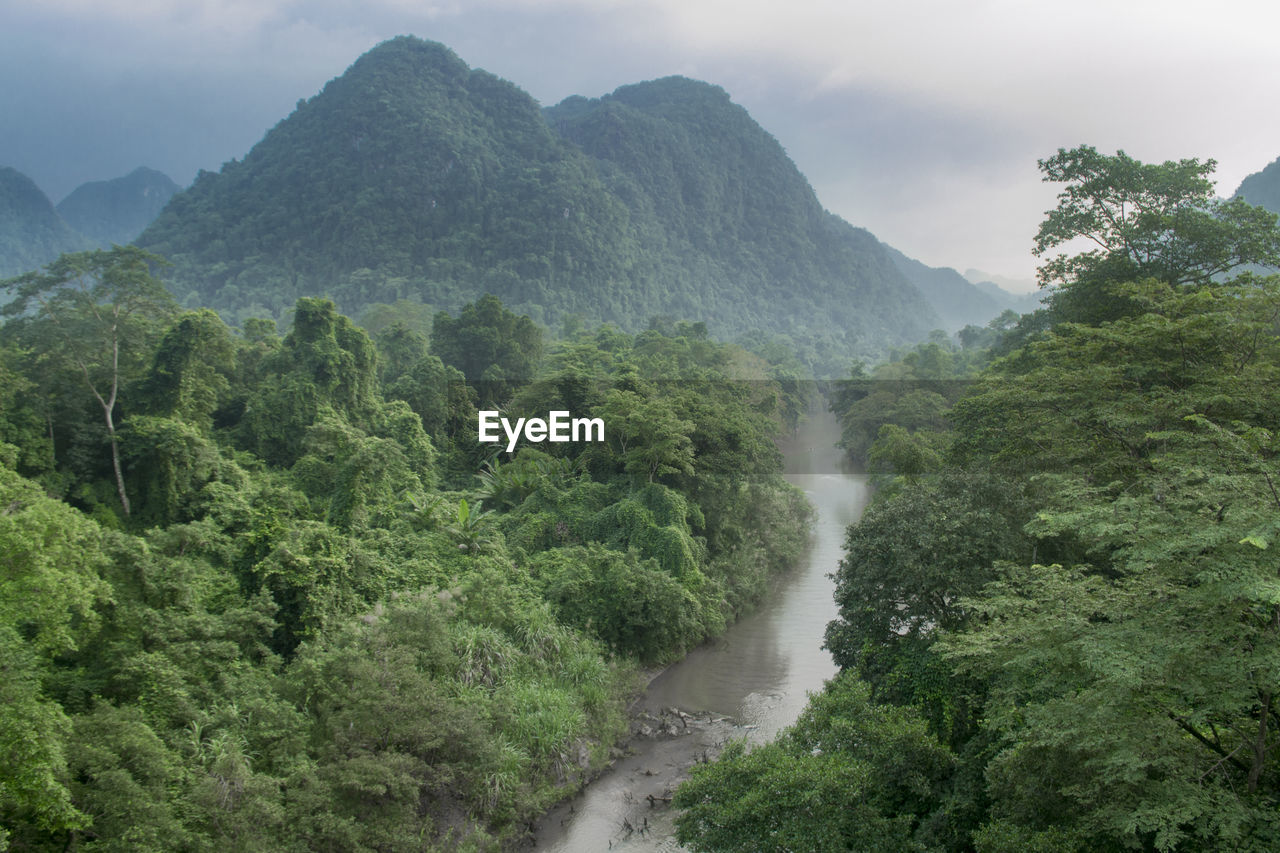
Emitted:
pixel 751 682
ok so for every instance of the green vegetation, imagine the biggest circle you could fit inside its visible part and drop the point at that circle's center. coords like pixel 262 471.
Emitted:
pixel 269 593
pixel 1262 188
pixel 413 178
pixel 849 775
pixel 1061 609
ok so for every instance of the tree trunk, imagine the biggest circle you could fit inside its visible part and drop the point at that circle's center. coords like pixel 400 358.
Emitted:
pixel 115 460
pixel 1260 744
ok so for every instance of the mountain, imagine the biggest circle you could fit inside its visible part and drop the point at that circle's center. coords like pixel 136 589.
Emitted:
pixel 415 176
pixel 957 301
pixel 31 232
pixel 118 210
pixel 737 233
pixel 1021 295
pixel 1023 303
pixel 409 175
pixel 1262 188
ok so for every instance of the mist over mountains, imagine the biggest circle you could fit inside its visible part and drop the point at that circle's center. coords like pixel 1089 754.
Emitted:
pixel 959 300
pixel 117 211
pixel 31 231
pixel 34 232
pixel 415 177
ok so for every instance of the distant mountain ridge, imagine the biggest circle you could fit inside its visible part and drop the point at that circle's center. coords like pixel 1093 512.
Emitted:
pixel 414 176
pixel 1262 188
pixel 118 210
pixel 411 175
pixel 34 232
pixel 31 231
pixel 1014 294
pixel 959 303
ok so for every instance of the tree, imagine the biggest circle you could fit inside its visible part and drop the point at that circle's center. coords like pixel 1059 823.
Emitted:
pixel 489 343
pixel 1094 566
pixel 630 604
pixel 325 361
pixel 652 440
pixel 399 348
pixel 188 375
pixel 1141 669
pixel 849 775
pixel 93 308
pixel 49 591
pixel 1146 220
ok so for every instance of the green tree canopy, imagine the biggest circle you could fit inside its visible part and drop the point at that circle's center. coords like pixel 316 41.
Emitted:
pixel 489 344
pixel 1144 220
pixel 95 312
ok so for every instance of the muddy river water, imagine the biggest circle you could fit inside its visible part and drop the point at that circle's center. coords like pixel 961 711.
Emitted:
pixel 750 683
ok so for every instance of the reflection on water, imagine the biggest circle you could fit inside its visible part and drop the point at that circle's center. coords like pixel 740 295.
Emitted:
pixel 758 674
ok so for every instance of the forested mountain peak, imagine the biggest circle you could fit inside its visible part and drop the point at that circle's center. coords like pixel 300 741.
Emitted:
pixel 31 232
pixel 667 91
pixel 18 190
pixel 410 175
pixel 423 54
pixel 413 176
pixel 701 157
pixel 672 89
pixel 117 211
pixel 725 195
pixel 409 73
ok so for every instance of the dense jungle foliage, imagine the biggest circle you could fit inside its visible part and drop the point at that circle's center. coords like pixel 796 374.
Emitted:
pixel 267 593
pixel 1060 618
pixel 414 177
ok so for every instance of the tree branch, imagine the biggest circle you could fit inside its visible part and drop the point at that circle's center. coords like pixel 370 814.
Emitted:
pixel 1191 730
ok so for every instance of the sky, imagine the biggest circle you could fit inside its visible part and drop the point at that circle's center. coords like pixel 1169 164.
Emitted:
pixel 920 120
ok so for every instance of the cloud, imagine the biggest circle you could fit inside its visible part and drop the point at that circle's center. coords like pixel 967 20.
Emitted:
pixel 919 119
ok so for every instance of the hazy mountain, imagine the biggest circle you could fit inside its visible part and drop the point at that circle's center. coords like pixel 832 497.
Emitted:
pixel 1021 295
pixel 958 302
pixel 409 175
pixel 1007 284
pixel 414 176
pixel 118 210
pixel 31 232
pixel 1262 188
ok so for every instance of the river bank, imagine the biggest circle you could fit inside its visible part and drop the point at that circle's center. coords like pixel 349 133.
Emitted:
pixel 749 683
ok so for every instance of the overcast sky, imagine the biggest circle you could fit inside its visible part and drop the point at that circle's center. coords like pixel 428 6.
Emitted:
pixel 920 120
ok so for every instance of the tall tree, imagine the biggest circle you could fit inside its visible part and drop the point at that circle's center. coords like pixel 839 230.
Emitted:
pixel 93 309
pixel 1145 220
